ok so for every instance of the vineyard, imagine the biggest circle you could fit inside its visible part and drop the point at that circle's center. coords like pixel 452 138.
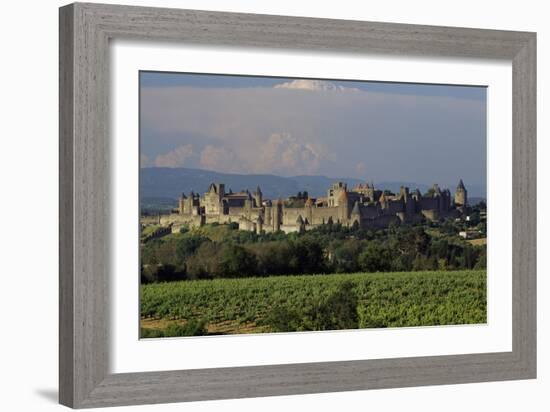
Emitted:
pixel 313 302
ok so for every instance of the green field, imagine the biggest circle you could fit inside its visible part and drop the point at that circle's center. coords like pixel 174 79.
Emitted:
pixel 313 302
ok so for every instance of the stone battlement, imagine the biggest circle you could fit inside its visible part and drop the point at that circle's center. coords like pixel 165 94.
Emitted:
pixel 364 206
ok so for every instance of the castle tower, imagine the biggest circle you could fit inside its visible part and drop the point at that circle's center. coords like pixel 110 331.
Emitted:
pixel 196 201
pixel 461 195
pixel 217 189
pixel 213 199
pixel 356 215
pixel 258 197
pixel 383 201
pixel 268 215
pixel 366 190
pixel 189 204
pixel 277 215
pixel 369 192
pixel 181 204
pixel 404 193
pixel 436 190
pixel 309 210
pixel 343 206
pixel 248 203
pixel 446 203
pixel 334 193
pixel 410 206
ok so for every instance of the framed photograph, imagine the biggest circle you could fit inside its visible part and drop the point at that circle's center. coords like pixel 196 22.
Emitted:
pixel 256 205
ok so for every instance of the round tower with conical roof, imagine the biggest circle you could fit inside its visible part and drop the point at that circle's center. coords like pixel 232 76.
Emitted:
pixel 461 195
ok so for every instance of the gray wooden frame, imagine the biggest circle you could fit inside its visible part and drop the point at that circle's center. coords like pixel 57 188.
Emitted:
pixel 85 31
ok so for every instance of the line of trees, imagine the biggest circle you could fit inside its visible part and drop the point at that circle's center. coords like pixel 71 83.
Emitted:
pixel 327 249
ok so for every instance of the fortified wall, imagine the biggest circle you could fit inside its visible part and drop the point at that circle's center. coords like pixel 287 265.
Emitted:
pixel 364 206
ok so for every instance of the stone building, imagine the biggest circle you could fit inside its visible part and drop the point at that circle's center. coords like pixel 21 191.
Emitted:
pixel 461 195
pixel 364 206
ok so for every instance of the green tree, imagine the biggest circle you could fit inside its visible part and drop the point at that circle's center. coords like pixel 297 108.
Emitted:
pixel 187 245
pixel 344 255
pixel 307 256
pixel 375 258
pixel 236 261
pixel 482 260
pixel 273 258
pixel 204 263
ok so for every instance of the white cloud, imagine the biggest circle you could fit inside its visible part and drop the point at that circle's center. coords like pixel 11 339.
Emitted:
pixel 175 158
pixel 220 159
pixel 314 85
pixel 284 154
pixel 285 131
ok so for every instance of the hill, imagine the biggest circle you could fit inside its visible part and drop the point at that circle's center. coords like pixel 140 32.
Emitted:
pixel 168 183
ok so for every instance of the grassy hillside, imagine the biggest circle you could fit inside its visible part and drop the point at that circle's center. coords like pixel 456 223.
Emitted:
pixel 313 302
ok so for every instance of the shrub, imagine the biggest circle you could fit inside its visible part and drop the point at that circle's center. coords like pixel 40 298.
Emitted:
pixel 336 311
pixel 284 319
pixel 375 258
pixel 307 256
pixel 422 262
pixel 191 328
pixel 203 264
pixel 187 245
pixel 235 261
pixel 222 251
pixel 146 333
pixel 272 258
pixel 161 273
pixel 481 261
pixel 344 256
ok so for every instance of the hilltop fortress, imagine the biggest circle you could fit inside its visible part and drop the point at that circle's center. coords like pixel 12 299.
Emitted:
pixel 363 206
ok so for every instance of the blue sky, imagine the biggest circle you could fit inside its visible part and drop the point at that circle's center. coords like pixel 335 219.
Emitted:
pixel 372 130
pixel 164 79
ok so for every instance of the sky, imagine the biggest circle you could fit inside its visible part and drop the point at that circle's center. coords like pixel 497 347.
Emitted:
pixel 267 125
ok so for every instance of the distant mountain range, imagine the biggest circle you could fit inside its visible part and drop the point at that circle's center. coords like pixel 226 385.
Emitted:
pixel 168 183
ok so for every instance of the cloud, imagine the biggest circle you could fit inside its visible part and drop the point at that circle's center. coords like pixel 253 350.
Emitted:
pixel 219 158
pixel 284 154
pixel 282 130
pixel 175 158
pixel 314 85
